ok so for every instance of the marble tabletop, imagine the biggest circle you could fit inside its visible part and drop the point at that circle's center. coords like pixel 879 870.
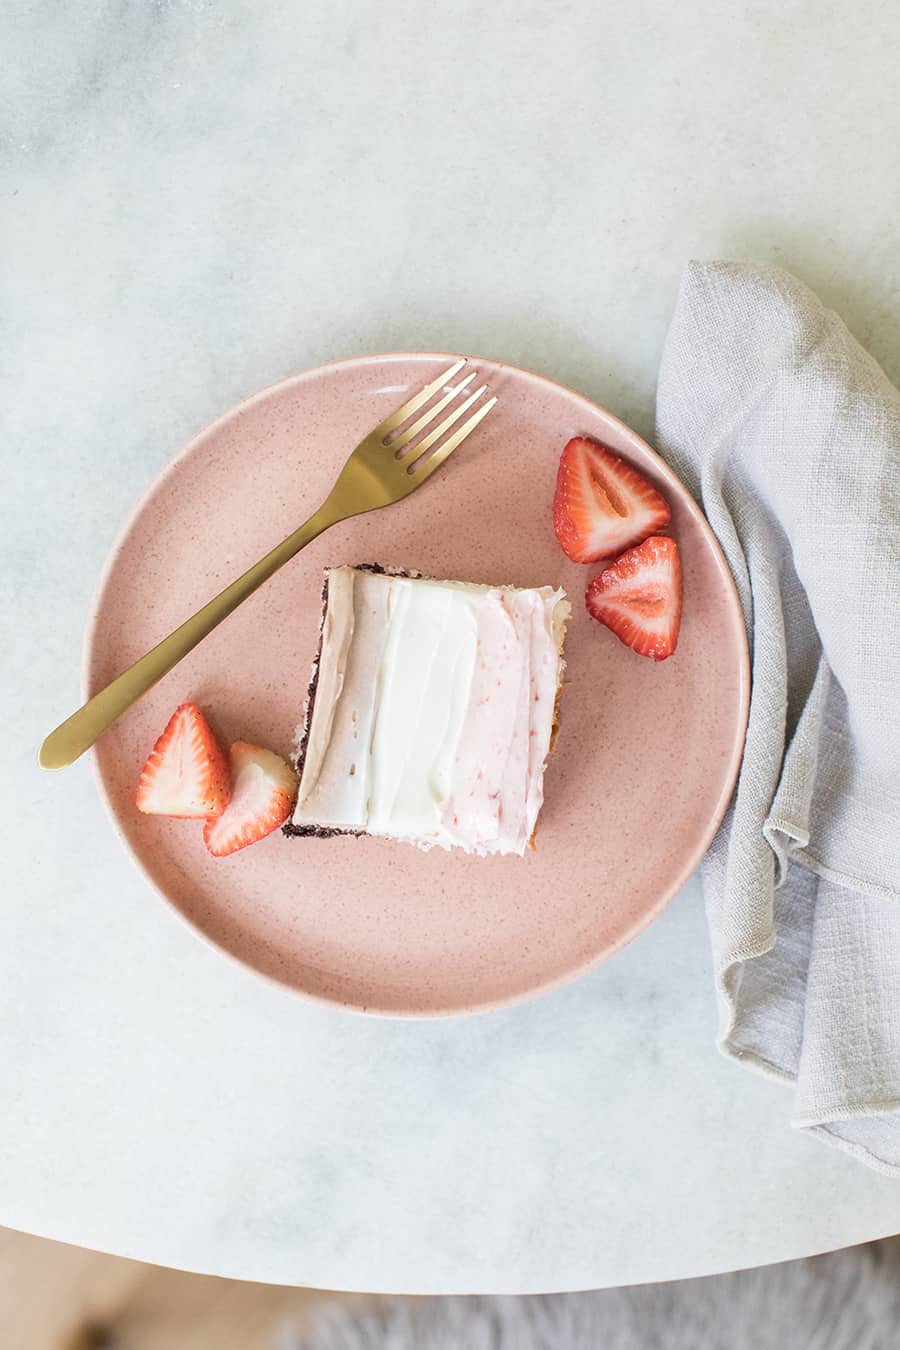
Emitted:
pixel 201 197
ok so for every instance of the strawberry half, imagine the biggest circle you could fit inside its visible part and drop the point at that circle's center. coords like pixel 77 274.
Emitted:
pixel 601 504
pixel 263 793
pixel 186 773
pixel 639 598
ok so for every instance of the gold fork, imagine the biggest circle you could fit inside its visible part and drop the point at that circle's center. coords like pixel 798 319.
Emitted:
pixel 386 466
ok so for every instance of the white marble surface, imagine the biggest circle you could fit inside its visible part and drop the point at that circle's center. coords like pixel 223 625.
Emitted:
pixel 198 199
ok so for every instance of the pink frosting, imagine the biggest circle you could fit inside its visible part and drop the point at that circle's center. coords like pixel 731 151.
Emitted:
pixel 496 782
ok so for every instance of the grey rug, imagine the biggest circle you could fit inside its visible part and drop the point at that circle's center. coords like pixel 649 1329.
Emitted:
pixel 847 1300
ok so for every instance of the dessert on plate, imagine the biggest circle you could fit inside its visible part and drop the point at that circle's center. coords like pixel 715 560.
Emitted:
pixel 431 711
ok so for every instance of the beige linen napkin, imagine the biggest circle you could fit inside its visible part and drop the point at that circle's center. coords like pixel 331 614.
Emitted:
pixel 789 434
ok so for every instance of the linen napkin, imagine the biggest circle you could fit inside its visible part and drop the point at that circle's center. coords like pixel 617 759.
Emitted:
pixel 788 432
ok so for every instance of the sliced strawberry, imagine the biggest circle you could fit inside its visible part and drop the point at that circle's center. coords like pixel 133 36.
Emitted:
pixel 186 773
pixel 602 505
pixel 264 791
pixel 639 598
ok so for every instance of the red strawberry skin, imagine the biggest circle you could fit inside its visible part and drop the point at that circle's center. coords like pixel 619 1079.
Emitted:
pixel 602 505
pixel 638 597
pixel 264 789
pixel 186 774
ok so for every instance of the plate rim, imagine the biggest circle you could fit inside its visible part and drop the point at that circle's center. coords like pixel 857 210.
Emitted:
pixel 556 981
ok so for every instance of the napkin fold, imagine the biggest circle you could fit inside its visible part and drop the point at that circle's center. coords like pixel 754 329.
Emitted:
pixel 788 432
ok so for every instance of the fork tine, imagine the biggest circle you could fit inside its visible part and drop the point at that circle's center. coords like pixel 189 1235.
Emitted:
pixel 409 407
pixel 430 414
pixel 436 460
pixel 428 441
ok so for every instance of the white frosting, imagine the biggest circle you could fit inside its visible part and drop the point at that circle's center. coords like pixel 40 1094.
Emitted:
pixel 434 708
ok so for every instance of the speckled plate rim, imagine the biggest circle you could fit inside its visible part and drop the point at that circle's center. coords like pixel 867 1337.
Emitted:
pixel 744 679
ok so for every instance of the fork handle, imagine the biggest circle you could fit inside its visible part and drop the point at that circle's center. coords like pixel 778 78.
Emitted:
pixel 79 732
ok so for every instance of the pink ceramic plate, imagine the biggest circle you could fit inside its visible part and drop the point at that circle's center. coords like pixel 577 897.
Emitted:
pixel 646 756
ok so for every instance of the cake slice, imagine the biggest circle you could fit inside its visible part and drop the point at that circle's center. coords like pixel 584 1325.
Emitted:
pixel 431 711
